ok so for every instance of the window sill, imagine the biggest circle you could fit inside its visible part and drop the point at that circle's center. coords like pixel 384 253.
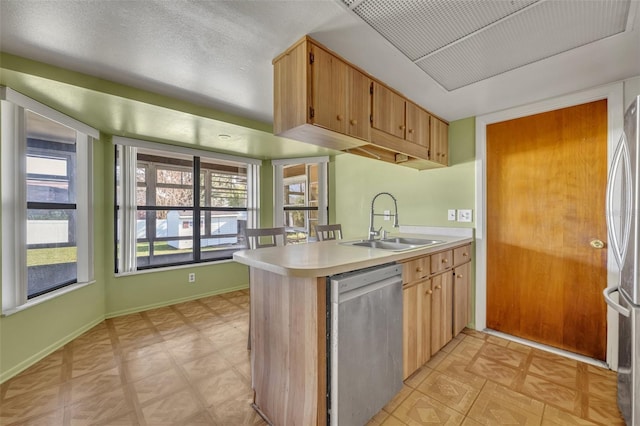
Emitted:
pixel 169 268
pixel 45 297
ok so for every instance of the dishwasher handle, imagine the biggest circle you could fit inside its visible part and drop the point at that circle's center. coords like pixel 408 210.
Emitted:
pixel 344 297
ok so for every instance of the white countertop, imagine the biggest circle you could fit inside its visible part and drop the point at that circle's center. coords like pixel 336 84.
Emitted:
pixel 325 258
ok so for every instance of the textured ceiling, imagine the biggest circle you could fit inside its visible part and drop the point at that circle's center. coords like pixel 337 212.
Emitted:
pixel 217 54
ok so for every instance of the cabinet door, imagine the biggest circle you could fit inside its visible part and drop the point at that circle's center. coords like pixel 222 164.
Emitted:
pixel 416 319
pixel 461 297
pixel 358 104
pixel 441 311
pixel 439 141
pixel 388 111
pixel 412 333
pixel 461 255
pixel 329 90
pixel 417 121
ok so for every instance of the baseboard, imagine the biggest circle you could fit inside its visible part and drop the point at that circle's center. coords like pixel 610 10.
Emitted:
pixel 28 362
pixel 173 301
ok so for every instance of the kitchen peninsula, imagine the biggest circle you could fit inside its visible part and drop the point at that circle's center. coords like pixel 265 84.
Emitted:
pixel 288 287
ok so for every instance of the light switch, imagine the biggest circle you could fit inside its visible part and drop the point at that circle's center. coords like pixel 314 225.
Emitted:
pixel 451 216
pixel 465 215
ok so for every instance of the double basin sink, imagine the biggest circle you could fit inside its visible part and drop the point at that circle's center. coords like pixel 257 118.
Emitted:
pixel 394 243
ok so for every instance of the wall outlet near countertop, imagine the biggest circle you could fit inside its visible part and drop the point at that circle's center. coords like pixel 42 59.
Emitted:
pixel 192 277
pixel 465 215
pixel 451 215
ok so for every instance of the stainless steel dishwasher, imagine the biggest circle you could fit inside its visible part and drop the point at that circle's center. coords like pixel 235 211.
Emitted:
pixel 365 343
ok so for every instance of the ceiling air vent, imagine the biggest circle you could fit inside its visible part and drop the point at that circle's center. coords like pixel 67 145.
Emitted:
pixel 459 43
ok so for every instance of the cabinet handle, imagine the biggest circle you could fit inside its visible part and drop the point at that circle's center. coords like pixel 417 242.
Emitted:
pixel 419 269
pixel 429 292
pixel 354 122
pixel 445 260
pixel 465 254
pixel 438 287
pixel 401 127
pixel 459 275
pixel 410 130
pixel 339 117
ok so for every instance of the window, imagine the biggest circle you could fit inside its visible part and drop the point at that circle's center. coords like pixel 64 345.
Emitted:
pixel 300 196
pixel 46 212
pixel 167 217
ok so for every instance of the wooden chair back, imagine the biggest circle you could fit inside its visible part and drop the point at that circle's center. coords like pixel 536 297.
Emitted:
pixel 265 237
pixel 329 232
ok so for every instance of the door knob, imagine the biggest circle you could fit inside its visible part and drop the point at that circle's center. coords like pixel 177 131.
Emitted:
pixel 596 244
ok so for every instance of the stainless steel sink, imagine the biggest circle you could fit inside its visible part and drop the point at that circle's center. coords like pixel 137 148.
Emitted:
pixel 412 241
pixel 394 244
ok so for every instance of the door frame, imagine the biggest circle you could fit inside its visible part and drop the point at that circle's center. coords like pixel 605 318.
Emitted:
pixel 614 94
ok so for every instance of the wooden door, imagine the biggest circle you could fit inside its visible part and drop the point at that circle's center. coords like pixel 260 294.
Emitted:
pixel 388 111
pixel 329 90
pixel 417 121
pixel 358 104
pixel 546 177
pixel 439 141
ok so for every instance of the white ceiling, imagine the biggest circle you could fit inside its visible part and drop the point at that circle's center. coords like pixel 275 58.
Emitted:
pixel 218 53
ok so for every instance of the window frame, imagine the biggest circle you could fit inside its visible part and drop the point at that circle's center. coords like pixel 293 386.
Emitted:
pixel 126 208
pixel 14 196
pixel 279 182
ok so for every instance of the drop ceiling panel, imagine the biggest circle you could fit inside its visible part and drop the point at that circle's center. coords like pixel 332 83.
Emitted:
pixel 418 28
pixel 459 43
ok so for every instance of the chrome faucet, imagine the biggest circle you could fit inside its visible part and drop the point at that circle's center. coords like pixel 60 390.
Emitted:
pixel 372 231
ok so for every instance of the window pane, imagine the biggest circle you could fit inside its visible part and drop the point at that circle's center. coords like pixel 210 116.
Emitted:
pixel 222 188
pixel 154 232
pixel 51 160
pixel 51 250
pixel 226 234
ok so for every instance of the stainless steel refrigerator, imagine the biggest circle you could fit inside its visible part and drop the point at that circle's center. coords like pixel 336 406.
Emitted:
pixel 623 200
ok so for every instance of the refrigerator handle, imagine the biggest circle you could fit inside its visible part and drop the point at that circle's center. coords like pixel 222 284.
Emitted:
pixel 614 305
pixel 618 157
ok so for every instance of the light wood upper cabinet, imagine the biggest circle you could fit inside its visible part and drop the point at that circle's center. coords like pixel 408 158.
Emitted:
pixel 439 141
pixel 322 99
pixel 418 124
pixel 313 90
pixel 388 111
pixel 358 104
pixel 328 90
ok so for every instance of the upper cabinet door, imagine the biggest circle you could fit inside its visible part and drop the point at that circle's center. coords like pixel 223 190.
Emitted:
pixel 358 104
pixel 329 90
pixel 388 111
pixel 417 121
pixel 439 141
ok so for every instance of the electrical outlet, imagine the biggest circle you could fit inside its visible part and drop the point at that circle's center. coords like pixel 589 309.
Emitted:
pixel 451 215
pixel 192 277
pixel 465 215
pixel 387 215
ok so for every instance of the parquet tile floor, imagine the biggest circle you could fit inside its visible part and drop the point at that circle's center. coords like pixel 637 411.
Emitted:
pixel 187 364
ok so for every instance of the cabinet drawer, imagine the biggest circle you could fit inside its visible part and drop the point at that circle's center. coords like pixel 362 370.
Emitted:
pixel 461 254
pixel 441 261
pixel 416 269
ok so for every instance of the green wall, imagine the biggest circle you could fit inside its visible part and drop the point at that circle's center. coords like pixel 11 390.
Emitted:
pixel 423 196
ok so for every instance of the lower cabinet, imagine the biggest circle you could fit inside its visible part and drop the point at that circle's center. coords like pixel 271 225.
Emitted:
pixel 416 316
pixel 441 311
pixel 461 297
pixel 436 297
